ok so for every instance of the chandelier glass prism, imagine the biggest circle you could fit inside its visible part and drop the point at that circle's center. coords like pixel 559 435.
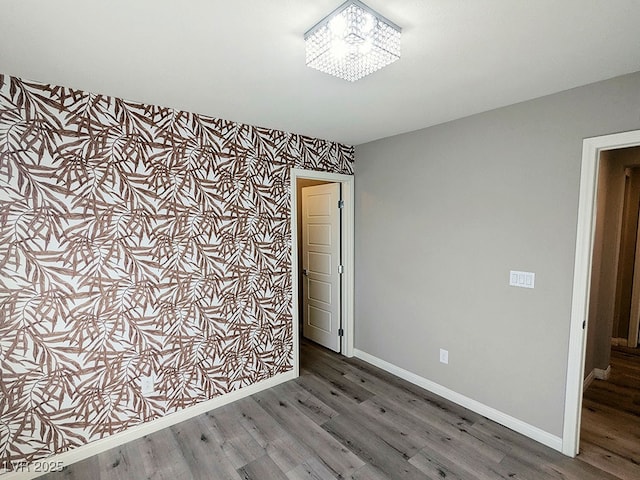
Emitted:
pixel 352 42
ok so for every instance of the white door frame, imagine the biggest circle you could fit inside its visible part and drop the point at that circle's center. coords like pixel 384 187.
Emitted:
pixel 591 149
pixel 347 182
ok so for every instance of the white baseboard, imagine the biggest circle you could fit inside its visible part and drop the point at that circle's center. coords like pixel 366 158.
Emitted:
pixel 508 421
pixel 138 431
pixel 619 342
pixel 588 381
pixel 601 374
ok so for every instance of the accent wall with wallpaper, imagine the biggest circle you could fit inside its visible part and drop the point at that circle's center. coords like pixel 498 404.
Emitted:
pixel 137 240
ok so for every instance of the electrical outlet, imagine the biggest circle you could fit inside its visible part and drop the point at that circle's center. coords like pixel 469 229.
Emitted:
pixel 147 385
pixel 444 356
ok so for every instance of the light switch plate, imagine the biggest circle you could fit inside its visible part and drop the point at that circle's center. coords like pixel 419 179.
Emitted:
pixel 522 279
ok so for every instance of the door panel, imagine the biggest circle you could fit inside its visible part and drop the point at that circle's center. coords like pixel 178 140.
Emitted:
pixel 320 291
pixel 319 319
pixel 319 263
pixel 320 260
pixel 319 235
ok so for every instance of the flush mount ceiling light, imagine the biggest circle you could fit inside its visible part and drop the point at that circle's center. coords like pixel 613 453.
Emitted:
pixel 352 41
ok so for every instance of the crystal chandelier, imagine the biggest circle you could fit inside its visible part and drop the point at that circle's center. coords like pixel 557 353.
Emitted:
pixel 352 41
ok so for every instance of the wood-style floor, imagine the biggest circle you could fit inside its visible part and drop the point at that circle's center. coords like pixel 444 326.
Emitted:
pixel 610 435
pixel 344 419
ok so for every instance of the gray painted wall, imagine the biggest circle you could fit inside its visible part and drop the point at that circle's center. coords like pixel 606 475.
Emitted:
pixel 443 214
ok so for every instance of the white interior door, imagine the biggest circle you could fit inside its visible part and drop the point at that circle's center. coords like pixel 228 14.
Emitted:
pixel 320 263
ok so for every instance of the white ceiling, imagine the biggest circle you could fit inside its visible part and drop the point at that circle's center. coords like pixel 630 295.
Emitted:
pixel 243 60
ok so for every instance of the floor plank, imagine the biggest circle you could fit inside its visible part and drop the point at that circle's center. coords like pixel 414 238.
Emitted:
pixel 237 443
pixel 372 449
pixel 122 463
pixel 330 451
pixel 202 452
pixel 312 469
pixel 282 447
pixel 260 469
pixel 162 456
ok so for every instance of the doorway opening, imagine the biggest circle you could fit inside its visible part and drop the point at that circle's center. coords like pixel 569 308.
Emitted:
pixel 614 311
pixel 588 255
pixel 303 276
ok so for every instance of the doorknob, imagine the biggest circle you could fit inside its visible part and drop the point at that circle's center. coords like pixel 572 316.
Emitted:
pixel 304 272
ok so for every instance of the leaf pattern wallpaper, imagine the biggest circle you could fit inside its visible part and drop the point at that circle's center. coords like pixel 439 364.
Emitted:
pixel 137 240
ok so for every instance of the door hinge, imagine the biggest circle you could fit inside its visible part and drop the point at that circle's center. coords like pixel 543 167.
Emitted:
pixel 340 332
pixel 340 269
pixel 584 324
pixel 340 203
